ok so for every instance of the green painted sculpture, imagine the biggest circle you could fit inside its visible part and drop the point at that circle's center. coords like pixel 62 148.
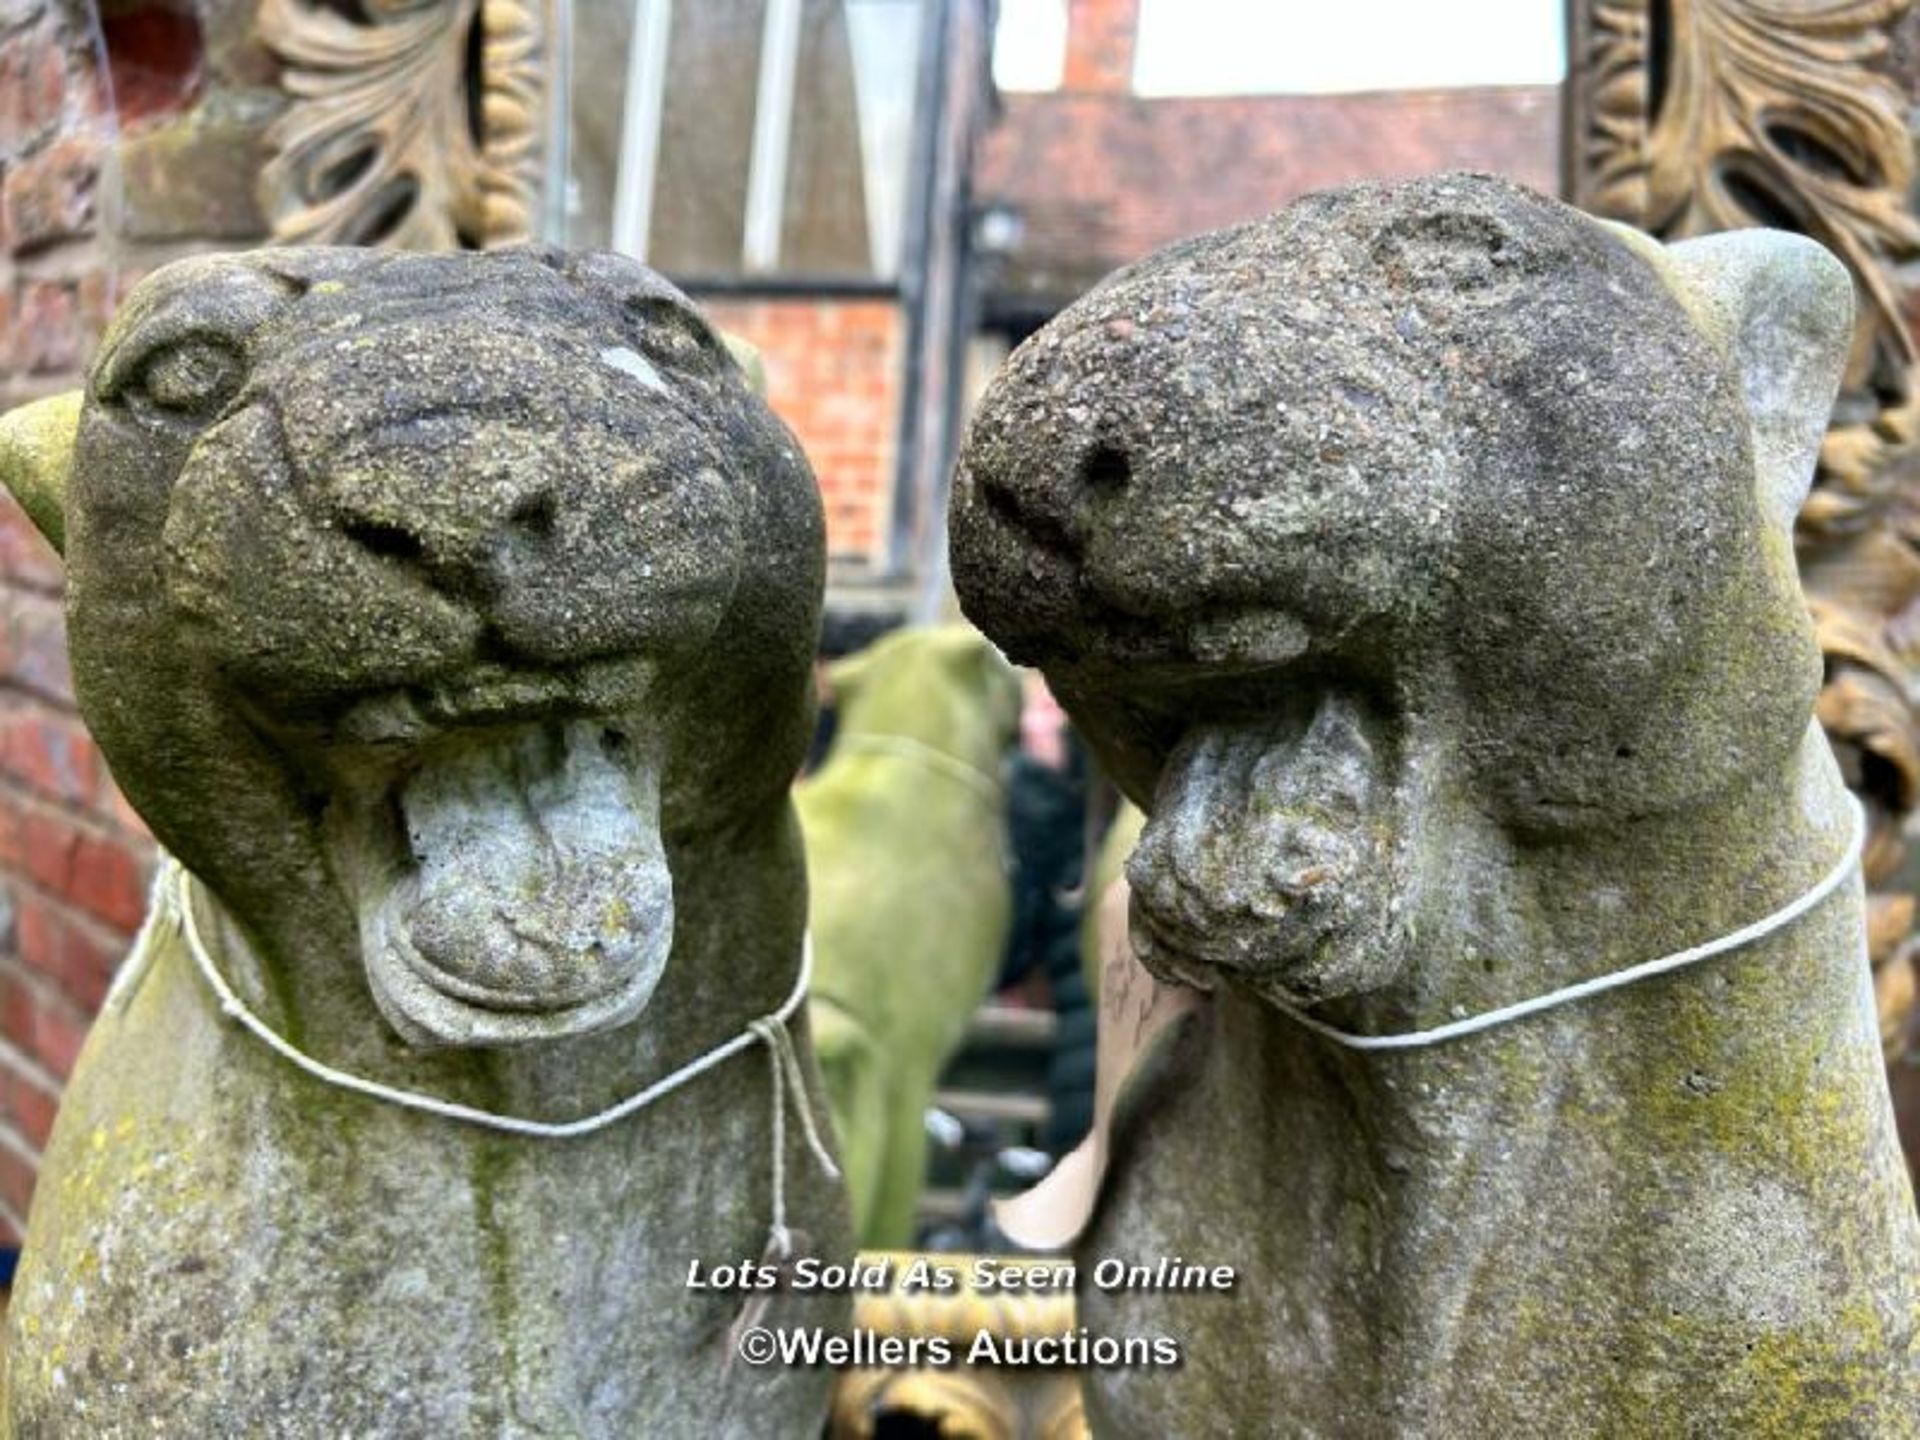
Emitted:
pixel 451 620
pixel 1420 560
pixel 906 834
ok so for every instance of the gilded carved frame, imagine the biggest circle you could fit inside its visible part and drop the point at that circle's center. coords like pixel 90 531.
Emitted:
pixel 411 123
pixel 1685 117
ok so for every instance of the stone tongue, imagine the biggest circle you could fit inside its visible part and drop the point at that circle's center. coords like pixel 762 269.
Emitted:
pixel 1260 847
pixel 541 883
pixel 1265 843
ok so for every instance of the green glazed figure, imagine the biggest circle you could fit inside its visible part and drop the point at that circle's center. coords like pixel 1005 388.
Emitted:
pixel 906 832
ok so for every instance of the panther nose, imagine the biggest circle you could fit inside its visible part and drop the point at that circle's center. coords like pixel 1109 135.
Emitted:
pixel 386 539
pixel 1062 510
pixel 1104 471
pixel 478 557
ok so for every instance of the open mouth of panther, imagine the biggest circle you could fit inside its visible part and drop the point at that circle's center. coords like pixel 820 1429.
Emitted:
pixel 1270 851
pixel 1205 646
pixel 509 879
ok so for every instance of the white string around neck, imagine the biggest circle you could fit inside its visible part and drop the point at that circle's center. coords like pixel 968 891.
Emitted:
pixel 173 898
pixel 1613 979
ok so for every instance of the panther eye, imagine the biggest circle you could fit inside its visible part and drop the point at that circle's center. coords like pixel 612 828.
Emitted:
pixel 191 378
pixel 671 336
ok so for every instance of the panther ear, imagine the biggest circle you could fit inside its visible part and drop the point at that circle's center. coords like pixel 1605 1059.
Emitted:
pixel 1781 307
pixel 848 673
pixel 36 458
pixel 746 355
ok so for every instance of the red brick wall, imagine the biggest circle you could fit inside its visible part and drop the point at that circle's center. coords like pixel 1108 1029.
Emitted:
pixel 1100 38
pixel 833 374
pixel 50 150
pixel 51 787
pixel 73 857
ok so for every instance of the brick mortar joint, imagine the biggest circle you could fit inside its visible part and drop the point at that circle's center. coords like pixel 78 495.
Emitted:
pixel 96 822
pixel 15 692
pixel 108 936
pixel 44 990
pixel 11 586
pixel 103 933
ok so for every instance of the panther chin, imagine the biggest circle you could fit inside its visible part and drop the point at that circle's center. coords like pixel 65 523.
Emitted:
pixel 524 895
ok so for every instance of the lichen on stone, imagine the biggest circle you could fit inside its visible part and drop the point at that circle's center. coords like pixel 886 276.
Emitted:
pixel 1419 560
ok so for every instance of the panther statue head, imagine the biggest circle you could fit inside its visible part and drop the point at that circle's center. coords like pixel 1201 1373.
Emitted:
pixel 423 604
pixel 1412 519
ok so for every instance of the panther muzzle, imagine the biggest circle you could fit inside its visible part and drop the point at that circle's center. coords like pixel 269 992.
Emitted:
pixel 518 888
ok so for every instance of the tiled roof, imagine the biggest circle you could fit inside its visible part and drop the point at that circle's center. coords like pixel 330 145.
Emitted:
pixel 1099 180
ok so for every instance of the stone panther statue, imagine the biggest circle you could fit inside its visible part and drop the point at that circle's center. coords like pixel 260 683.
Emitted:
pixel 1419 558
pixel 450 619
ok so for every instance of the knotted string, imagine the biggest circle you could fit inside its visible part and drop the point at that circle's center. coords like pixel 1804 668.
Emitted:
pixel 1613 979
pixel 783 1062
pixel 172 892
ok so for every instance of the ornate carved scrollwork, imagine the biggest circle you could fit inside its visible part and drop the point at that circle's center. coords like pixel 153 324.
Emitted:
pixel 512 94
pixel 411 123
pixel 1607 105
pixel 974 1402
pixel 1692 116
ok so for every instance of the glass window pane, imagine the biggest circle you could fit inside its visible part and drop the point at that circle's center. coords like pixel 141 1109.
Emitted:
pixel 667 99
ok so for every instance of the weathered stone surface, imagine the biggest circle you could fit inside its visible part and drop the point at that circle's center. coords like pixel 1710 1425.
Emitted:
pixel 50 196
pixel 33 81
pixel 1419 559
pixel 451 619
pixel 192 178
pixel 906 835
pixel 235 53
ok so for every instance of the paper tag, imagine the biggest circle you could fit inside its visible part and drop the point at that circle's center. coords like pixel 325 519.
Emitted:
pixel 1134 1008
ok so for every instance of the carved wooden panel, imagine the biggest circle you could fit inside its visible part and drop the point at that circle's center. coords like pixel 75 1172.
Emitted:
pixel 410 123
pixel 1691 116
pixel 977 1401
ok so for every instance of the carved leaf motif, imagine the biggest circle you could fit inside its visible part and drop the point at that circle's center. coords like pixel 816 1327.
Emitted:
pixel 513 89
pixel 1611 175
pixel 1775 112
pixel 377 146
pixel 1778 112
